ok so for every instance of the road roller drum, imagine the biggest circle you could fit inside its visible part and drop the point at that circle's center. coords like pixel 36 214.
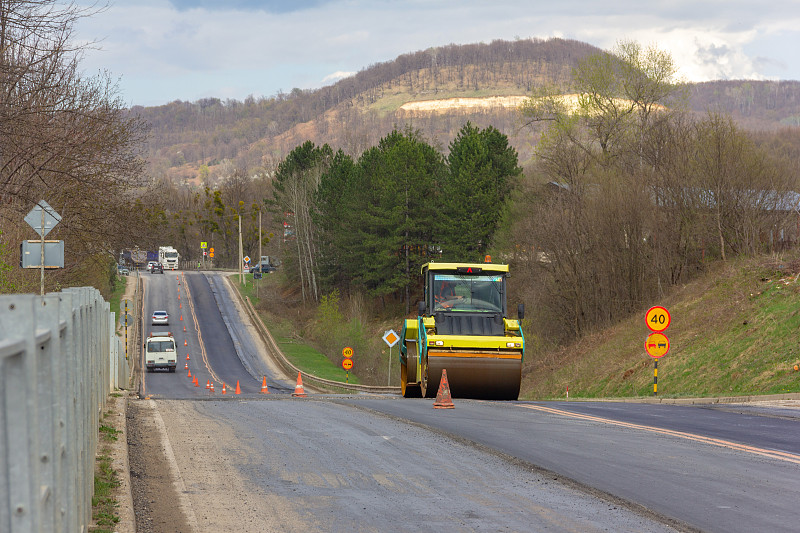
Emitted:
pixel 463 327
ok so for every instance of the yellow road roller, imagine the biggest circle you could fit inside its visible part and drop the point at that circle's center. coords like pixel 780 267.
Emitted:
pixel 463 326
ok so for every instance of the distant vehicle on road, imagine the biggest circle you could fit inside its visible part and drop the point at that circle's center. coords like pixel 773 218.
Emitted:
pixel 168 257
pixel 157 268
pixel 150 265
pixel 160 318
pixel 160 351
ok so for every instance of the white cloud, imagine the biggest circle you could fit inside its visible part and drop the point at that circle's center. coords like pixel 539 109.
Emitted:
pixel 164 54
pixel 336 76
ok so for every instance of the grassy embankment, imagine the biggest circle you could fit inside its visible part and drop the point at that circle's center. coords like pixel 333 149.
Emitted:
pixel 285 332
pixel 734 331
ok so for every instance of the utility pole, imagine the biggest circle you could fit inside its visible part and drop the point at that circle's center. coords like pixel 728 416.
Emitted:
pixel 241 253
pixel 260 267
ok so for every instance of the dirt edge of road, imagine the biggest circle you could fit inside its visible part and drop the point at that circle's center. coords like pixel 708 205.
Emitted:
pixel 158 494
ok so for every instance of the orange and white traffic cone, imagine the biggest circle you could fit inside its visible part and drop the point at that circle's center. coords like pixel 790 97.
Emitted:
pixel 264 389
pixel 298 389
pixel 224 389
pixel 208 384
pixel 187 356
pixel 190 372
pixel 186 367
pixel 238 390
pixel 185 342
pixel 212 388
pixel 196 383
pixel 443 398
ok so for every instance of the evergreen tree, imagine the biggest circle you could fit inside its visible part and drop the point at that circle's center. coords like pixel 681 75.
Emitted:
pixel 338 201
pixel 482 167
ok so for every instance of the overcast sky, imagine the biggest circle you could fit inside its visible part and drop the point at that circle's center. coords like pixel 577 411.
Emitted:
pixel 166 50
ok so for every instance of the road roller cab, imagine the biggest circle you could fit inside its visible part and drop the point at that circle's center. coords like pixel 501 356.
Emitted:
pixel 463 326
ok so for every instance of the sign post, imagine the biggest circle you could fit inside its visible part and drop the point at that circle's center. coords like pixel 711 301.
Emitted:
pixel 347 363
pixel 390 338
pixel 42 218
pixel 656 345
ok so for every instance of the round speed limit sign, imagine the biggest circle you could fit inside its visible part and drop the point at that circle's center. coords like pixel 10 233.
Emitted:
pixel 347 352
pixel 657 318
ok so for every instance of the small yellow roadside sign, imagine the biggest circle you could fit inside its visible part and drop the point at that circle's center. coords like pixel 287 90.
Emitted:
pixel 347 353
pixel 347 364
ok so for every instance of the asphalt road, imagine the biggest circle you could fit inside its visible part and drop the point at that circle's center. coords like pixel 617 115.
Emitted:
pixel 219 344
pixel 712 469
pixel 307 465
pixel 372 463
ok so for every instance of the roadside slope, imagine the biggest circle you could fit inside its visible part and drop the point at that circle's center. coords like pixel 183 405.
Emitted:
pixel 733 332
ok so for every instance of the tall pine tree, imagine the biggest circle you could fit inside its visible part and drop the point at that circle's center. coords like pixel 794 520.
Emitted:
pixel 482 168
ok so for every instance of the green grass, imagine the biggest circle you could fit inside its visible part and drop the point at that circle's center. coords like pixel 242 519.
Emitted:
pixel 733 332
pixel 104 504
pixel 299 351
pixel 108 433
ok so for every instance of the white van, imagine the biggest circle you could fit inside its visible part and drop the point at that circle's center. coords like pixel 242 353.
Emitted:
pixel 160 352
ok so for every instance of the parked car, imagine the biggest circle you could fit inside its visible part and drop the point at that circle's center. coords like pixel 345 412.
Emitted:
pixel 157 268
pixel 160 317
pixel 123 270
pixel 265 269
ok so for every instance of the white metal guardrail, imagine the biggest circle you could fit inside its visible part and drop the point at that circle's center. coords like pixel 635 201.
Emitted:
pixel 59 360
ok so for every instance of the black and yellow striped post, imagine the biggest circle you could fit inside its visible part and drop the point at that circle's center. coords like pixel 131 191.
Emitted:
pixel 655 377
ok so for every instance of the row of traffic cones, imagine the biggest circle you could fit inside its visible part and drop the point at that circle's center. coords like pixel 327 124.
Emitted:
pixel 299 391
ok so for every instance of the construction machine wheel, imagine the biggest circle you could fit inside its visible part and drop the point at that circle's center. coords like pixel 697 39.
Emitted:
pixel 409 391
pixel 428 389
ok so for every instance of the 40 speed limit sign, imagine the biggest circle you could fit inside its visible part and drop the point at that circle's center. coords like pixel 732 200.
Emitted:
pixel 657 319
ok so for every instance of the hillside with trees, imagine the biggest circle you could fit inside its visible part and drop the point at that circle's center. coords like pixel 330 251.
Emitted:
pixel 255 134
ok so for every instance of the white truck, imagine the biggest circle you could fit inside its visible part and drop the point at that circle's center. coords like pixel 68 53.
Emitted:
pixel 160 352
pixel 168 257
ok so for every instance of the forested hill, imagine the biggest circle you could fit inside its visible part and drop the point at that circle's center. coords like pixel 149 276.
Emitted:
pixel 357 111
pixel 364 105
